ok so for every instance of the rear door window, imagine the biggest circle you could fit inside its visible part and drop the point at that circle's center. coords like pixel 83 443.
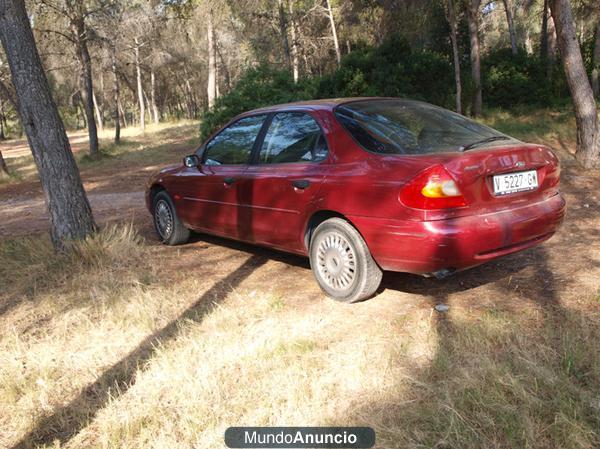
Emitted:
pixel 293 137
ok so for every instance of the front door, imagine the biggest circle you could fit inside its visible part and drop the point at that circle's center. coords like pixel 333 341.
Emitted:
pixel 210 196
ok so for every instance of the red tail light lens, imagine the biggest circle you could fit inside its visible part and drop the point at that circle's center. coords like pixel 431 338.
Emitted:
pixel 433 188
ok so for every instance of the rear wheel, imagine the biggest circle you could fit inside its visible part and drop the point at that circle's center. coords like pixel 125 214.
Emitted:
pixel 341 262
pixel 169 228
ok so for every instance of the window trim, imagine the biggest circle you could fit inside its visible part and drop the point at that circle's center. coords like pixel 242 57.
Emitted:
pixel 255 161
pixel 203 149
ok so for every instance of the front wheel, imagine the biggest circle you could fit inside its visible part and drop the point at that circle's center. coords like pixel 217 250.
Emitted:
pixel 341 262
pixel 166 222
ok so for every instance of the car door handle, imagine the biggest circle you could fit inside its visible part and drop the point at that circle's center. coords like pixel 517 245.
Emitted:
pixel 301 184
pixel 228 181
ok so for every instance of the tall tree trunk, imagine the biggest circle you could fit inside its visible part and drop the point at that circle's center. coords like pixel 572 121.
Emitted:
pixel 586 113
pixel 123 114
pixel 140 92
pixel 116 94
pixel 79 33
pixel 544 33
pixel 451 17
pixel 596 62
pixel 98 112
pixel 211 87
pixel 336 44
pixel 295 62
pixel 4 173
pixel 473 18
pixel 226 74
pixel 511 26
pixel 284 38
pixel 548 41
pixel 70 212
pixel 2 120
pixel 153 97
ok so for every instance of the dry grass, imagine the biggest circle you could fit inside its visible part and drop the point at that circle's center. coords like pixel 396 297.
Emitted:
pixel 102 348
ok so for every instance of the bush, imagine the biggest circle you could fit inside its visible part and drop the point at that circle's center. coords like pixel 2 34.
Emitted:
pixel 391 70
pixel 510 80
pixel 259 86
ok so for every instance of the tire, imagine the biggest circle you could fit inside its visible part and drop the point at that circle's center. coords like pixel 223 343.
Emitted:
pixel 342 263
pixel 169 228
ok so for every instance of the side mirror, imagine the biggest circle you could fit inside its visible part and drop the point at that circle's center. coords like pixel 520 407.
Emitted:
pixel 191 161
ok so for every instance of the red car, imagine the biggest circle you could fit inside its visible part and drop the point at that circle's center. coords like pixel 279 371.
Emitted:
pixel 363 185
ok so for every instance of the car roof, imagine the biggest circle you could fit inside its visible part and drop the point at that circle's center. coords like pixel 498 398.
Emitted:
pixel 323 104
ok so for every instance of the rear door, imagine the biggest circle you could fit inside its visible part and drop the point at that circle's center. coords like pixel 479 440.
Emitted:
pixel 211 192
pixel 283 181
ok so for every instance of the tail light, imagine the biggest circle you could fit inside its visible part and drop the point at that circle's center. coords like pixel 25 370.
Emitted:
pixel 432 188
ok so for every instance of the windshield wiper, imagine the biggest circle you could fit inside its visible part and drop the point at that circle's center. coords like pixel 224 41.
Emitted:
pixel 482 141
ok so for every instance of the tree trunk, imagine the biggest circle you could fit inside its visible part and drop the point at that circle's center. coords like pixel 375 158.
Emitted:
pixel 4 173
pixel 153 97
pixel 226 74
pixel 98 112
pixel 70 212
pixel 79 33
pixel 295 62
pixel 2 120
pixel 123 114
pixel 336 44
pixel 284 38
pixel 211 87
pixel 596 62
pixel 116 94
pixel 450 15
pixel 473 18
pixel 544 33
pixel 586 113
pixel 511 26
pixel 138 71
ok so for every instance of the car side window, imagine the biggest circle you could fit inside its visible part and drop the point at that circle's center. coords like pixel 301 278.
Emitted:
pixel 293 137
pixel 233 145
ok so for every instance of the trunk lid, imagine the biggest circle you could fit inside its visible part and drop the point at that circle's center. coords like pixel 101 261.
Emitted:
pixel 474 172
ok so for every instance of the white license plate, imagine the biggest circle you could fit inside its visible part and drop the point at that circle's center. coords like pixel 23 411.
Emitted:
pixel 515 182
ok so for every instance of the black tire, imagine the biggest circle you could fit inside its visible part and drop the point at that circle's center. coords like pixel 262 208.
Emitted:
pixel 169 228
pixel 342 263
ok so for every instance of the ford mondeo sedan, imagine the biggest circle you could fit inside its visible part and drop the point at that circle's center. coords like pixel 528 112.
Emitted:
pixel 363 185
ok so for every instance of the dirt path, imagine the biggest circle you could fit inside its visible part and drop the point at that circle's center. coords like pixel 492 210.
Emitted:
pixel 23 215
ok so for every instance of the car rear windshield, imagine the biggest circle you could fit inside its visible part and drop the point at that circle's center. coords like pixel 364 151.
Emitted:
pixel 411 127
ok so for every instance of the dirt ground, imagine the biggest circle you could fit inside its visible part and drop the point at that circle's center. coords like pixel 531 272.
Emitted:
pixel 116 194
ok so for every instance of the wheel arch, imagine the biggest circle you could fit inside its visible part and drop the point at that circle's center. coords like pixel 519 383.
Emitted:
pixel 319 217
pixel 153 191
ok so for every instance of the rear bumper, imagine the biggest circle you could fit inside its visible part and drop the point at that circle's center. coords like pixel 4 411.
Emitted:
pixel 423 247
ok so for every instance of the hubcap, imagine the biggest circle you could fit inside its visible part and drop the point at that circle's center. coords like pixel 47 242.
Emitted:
pixel 163 219
pixel 336 261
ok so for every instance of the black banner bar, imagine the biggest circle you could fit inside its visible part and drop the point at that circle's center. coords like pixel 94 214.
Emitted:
pixel 299 437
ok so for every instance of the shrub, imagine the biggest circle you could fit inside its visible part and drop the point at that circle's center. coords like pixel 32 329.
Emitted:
pixel 391 70
pixel 259 86
pixel 510 80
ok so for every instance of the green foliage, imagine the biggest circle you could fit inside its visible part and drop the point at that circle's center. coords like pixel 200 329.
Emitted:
pixel 391 70
pixel 510 80
pixel 259 86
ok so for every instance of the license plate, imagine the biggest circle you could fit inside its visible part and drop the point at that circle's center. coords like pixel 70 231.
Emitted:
pixel 515 182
